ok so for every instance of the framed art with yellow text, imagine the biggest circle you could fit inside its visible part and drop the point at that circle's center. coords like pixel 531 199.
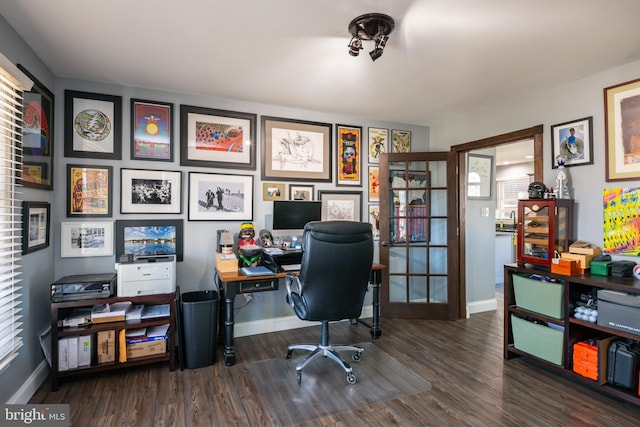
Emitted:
pixel 89 191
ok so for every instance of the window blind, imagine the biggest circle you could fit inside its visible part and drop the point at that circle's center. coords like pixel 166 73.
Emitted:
pixel 12 83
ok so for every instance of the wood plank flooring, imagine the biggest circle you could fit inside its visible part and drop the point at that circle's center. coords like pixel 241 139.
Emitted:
pixel 471 385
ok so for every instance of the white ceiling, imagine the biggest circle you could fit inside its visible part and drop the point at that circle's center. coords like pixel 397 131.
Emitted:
pixel 444 56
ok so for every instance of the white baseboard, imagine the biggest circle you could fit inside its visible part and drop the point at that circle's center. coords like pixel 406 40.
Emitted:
pixel 31 385
pixel 481 306
pixel 243 329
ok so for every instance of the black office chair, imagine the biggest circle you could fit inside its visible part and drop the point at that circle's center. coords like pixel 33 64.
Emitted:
pixel 334 274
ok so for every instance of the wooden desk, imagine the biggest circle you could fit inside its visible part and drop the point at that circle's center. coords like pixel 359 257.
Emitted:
pixel 237 283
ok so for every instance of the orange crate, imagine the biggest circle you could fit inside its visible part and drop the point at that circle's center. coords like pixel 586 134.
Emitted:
pixel 587 370
pixel 585 360
pixel 565 266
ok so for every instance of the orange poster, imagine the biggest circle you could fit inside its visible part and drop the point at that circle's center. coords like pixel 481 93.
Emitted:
pixel 89 191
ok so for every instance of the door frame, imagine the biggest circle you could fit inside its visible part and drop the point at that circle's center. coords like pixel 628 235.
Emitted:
pixel 535 133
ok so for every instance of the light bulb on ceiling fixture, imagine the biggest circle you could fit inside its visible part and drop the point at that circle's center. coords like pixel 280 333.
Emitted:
pixel 372 26
pixel 355 45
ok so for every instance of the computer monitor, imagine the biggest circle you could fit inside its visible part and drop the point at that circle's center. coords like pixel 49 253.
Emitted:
pixel 294 214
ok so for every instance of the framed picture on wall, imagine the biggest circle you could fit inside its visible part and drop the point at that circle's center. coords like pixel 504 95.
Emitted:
pixel 89 190
pixel 218 197
pixel 301 192
pixel 150 191
pixel 573 141
pixel 400 141
pixel 378 143
pixel 273 191
pixel 622 145
pixel 479 176
pixel 341 205
pixel 374 219
pixel 217 138
pixel 37 135
pixel 296 150
pixel 92 125
pixel 374 183
pixel 86 239
pixel 36 219
pixel 151 130
pixel 349 155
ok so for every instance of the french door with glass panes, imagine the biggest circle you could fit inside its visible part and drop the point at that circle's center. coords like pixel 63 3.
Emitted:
pixel 418 236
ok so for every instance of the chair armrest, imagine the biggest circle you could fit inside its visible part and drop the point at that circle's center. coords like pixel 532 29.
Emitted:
pixel 292 282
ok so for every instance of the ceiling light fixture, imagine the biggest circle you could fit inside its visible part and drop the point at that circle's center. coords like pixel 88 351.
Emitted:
pixel 371 26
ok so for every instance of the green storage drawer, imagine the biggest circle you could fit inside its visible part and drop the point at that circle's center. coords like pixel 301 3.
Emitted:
pixel 538 340
pixel 538 296
pixel 600 268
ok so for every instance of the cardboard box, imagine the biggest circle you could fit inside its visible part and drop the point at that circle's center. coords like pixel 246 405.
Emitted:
pixel 568 267
pixel 147 348
pixel 584 261
pixel 106 346
pixel 619 310
pixel 584 248
pixel 226 263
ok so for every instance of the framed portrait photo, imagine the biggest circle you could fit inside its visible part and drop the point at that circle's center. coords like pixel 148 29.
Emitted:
pixel 92 125
pixel 36 219
pixel 37 135
pixel 378 143
pixel 400 141
pixel 301 192
pixel 217 138
pixel 150 191
pixel 622 135
pixel 151 130
pixel 85 239
pixel 479 176
pixel 573 141
pixel 349 155
pixel 273 191
pixel 89 191
pixel 218 197
pixel 296 150
pixel 341 205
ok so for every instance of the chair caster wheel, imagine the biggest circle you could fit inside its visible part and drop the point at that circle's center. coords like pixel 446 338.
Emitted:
pixel 357 355
pixel 353 321
pixel 288 356
pixel 351 379
pixel 299 377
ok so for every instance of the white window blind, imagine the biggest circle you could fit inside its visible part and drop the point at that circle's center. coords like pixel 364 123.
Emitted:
pixel 507 200
pixel 12 83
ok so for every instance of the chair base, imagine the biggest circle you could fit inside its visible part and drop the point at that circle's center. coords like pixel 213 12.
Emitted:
pixel 329 351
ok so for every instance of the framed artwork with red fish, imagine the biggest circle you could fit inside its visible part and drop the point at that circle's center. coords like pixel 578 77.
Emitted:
pixel 217 138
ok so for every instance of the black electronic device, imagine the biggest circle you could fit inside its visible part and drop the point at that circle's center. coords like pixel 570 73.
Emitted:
pixel 294 214
pixel 83 286
pixel 276 262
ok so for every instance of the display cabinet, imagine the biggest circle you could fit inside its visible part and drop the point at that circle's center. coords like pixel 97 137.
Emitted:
pixel 540 324
pixel 60 310
pixel 545 230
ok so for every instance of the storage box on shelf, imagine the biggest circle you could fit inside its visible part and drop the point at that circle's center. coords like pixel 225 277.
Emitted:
pixel 566 345
pixel 108 353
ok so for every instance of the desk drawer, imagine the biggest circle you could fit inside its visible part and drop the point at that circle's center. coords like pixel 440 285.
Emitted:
pixel 258 285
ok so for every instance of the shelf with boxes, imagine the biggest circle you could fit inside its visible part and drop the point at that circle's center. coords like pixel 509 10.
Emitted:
pixel 575 326
pixel 102 344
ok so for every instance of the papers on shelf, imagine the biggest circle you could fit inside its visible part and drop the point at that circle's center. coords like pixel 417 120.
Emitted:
pixel 153 333
pixel 102 313
pixel 134 312
pixel 80 316
pixel 151 311
pixel 256 271
pixel 273 251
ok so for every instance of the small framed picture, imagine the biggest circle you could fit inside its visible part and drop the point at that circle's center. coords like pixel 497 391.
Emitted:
pixel 349 155
pixel 36 220
pixel 378 143
pixel 301 192
pixel 217 197
pixel 85 239
pixel 217 138
pixel 341 205
pixel 151 130
pixel 272 191
pixel 374 183
pixel 374 219
pixel 573 141
pixel 150 191
pixel 621 118
pixel 89 190
pixel 479 176
pixel 400 141
pixel 92 125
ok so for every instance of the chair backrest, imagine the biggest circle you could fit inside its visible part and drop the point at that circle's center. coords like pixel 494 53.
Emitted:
pixel 336 264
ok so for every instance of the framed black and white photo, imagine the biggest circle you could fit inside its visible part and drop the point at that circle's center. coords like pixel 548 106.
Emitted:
pixel 36 219
pixel 92 125
pixel 218 197
pixel 341 205
pixel 301 192
pixel 86 239
pixel 150 191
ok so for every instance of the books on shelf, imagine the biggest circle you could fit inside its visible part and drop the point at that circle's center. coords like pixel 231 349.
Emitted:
pixel 114 312
pixel 152 311
pixel 153 333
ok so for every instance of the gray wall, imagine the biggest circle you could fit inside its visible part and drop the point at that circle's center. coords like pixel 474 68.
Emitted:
pixel 576 100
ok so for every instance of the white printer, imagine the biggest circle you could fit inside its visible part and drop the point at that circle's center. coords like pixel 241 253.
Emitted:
pixel 146 276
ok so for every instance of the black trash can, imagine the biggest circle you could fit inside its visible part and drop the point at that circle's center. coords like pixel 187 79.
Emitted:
pixel 200 328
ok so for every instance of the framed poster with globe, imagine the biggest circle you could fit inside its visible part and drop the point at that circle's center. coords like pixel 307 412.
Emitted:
pixel 151 130
pixel 92 125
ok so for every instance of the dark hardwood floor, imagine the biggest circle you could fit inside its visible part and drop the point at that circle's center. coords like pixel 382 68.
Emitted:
pixel 471 385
